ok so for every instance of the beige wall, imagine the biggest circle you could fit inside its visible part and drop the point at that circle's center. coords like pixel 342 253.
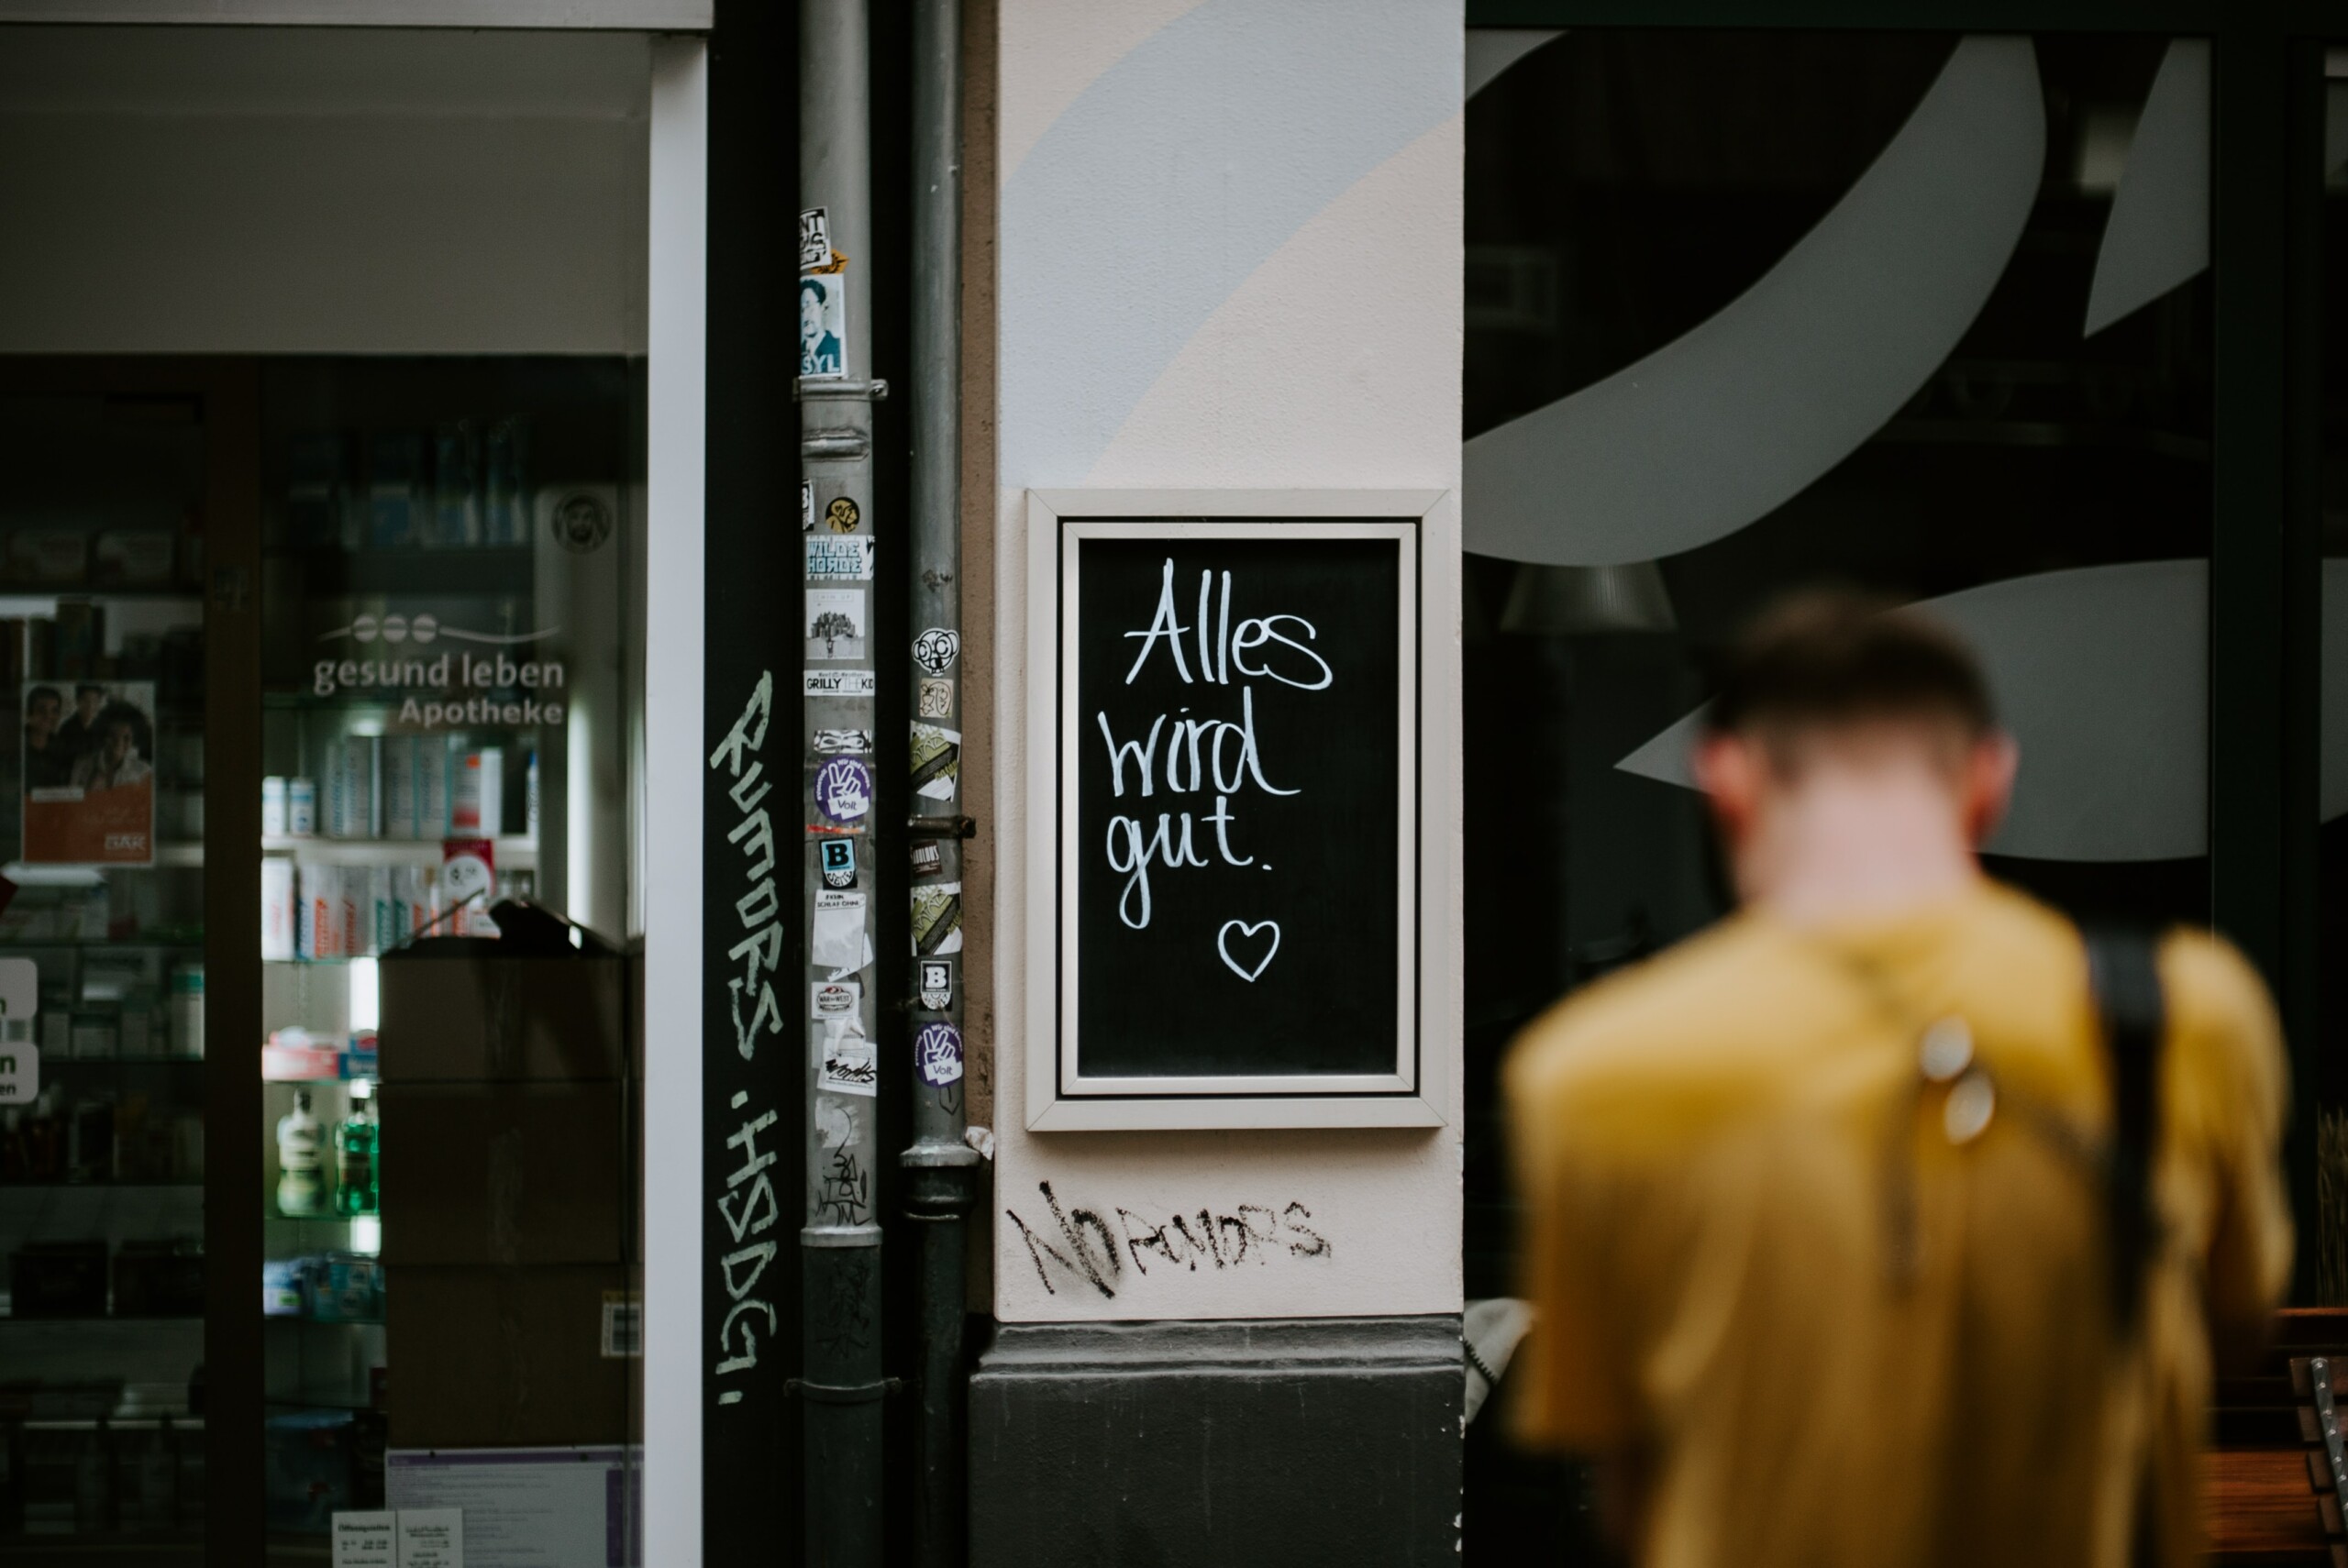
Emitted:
pixel 1228 257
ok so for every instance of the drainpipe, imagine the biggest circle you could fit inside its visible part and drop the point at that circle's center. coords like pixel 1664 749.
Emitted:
pixel 941 1176
pixel 841 1386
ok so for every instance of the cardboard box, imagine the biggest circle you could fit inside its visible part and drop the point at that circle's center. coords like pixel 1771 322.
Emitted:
pixel 475 1016
pixel 486 1174
pixel 502 1357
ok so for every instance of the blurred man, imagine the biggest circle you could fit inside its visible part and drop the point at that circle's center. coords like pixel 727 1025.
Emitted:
pixel 1819 1203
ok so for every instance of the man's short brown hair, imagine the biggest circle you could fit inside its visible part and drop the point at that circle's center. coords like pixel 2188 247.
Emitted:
pixel 1826 658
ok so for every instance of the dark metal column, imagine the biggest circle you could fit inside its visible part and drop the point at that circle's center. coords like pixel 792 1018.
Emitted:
pixel 841 1386
pixel 941 1175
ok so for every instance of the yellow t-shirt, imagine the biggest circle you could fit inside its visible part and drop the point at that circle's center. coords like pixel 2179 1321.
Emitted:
pixel 1713 1151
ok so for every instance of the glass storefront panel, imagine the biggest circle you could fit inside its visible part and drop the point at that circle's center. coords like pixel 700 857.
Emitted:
pixel 323 403
pixel 443 846
pixel 101 802
pixel 1749 311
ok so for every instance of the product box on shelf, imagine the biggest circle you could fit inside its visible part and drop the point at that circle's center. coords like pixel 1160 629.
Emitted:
pixel 353 793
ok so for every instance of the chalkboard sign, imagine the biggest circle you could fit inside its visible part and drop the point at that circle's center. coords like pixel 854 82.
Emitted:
pixel 1237 845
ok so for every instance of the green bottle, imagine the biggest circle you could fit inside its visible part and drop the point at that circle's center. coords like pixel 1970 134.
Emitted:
pixel 355 1144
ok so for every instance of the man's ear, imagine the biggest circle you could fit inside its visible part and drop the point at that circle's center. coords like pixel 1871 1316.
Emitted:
pixel 1989 785
pixel 1728 770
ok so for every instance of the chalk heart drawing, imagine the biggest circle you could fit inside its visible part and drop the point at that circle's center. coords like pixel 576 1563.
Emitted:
pixel 1247 933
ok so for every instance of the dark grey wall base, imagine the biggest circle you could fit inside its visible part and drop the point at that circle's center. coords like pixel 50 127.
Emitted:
pixel 1290 1443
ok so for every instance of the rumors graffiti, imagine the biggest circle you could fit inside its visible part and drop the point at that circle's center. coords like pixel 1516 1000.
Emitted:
pixel 1085 1249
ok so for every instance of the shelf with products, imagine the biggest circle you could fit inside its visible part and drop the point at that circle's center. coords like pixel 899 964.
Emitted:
pixel 511 852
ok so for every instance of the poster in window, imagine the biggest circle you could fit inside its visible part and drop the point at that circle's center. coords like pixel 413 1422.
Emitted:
pixel 89 771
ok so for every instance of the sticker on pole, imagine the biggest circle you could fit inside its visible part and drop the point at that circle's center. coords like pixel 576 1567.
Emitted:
pixel 814 238
pixel 937 1051
pixel 823 327
pixel 843 791
pixel 936 983
pixel 935 649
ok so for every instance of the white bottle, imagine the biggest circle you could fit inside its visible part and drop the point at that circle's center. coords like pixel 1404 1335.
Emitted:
pixel 301 1162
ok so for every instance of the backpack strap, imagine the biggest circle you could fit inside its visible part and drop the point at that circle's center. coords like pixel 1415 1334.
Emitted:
pixel 2126 985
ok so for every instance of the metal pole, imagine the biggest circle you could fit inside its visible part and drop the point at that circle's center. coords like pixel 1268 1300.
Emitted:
pixel 841 1386
pixel 941 1169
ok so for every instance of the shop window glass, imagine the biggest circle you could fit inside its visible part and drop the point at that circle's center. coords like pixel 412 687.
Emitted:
pixel 1753 311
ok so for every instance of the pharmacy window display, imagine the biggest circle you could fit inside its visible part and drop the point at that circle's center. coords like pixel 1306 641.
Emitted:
pixel 442 853
pixel 104 1057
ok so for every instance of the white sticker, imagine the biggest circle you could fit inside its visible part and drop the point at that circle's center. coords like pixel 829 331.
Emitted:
pixel 844 743
pixel 834 558
pixel 838 939
pixel 851 1065
pixel 835 623
pixel 822 326
pixel 366 1539
pixel 19 1074
pixel 807 506
pixel 814 238
pixel 828 999
pixel 432 1538
pixel 936 701
pixel 836 683
pixel 936 649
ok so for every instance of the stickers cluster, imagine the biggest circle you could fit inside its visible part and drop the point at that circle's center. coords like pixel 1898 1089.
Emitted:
pixel 835 626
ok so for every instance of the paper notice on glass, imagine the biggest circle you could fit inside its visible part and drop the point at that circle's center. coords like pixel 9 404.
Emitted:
pixel 837 942
pixel 366 1539
pixel 432 1538
pixel 557 1507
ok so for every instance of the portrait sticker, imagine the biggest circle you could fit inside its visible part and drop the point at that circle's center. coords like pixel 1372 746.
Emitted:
pixel 843 515
pixel 822 326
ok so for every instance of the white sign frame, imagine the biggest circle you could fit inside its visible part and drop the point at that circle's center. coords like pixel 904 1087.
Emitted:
pixel 1418 1093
